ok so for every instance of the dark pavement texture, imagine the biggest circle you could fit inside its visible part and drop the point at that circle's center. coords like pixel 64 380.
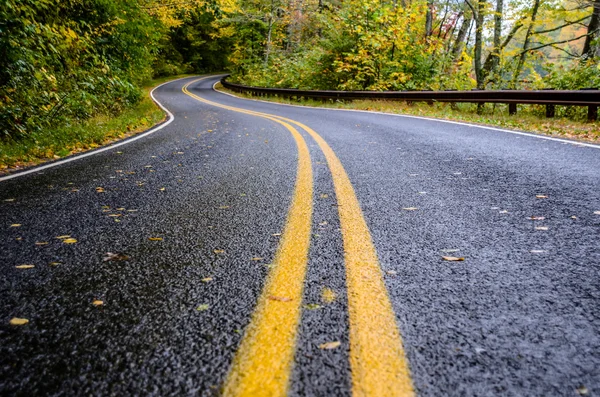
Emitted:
pixel 505 321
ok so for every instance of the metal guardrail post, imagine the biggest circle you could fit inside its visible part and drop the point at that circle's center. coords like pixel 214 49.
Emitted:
pixel 512 109
pixel 550 111
pixel 592 113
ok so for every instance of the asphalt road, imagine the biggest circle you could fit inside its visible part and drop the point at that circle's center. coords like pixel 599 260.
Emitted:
pixel 190 262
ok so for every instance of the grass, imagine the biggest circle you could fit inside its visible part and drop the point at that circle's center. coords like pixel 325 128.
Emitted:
pixel 529 118
pixel 66 140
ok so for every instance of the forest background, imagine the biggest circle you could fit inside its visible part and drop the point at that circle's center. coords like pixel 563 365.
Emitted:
pixel 65 61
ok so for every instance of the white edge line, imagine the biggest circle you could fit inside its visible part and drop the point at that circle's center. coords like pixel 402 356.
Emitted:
pixel 529 134
pixel 104 149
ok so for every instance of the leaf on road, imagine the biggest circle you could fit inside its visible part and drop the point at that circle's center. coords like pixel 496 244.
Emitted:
pixel 324 223
pixel 541 196
pixel 223 207
pixel 63 237
pixel 276 234
pixel 15 225
pixel 219 251
pixel 114 257
pixel 25 266
pixel 207 279
pixel 257 258
pixel 18 321
pixel 541 228
pixel 573 217
pixel 453 258
pixel 328 295
pixel 162 189
pixel 69 241
pixel 9 200
pixel 97 303
pixel 537 218
pixel 596 212
pixel 324 196
pixel 450 250
pixel 312 306
pixel 330 345
pixel 100 189
pixel 202 307
pixel 280 298
pixel 392 272
pixel 410 208
pixel 42 243
pixel 503 212
pixel 55 263
pixel 155 238
pixel 537 251
pixel 582 390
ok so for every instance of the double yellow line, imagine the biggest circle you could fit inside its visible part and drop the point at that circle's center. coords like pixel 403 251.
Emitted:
pixel 263 363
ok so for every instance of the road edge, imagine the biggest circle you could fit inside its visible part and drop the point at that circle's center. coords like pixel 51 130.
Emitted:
pixel 125 141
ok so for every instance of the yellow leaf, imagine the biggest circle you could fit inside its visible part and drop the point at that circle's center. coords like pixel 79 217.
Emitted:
pixel 202 307
pixel 537 218
pixel 410 209
pixel 18 321
pixel 15 225
pixel 41 243
pixel 100 189
pixel 219 251
pixel 155 238
pixel 453 258
pixel 162 189
pixel 55 263
pixel 256 258
pixel 324 196
pixel 223 207
pixel 69 241
pixel 328 295
pixel 207 279
pixel 596 212
pixel 63 237
pixel 541 228
pixel 25 266
pixel 97 302
pixel 540 196
pixel 330 345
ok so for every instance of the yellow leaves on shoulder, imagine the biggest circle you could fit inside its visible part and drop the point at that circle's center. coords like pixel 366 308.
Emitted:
pixel 453 258
pixel 328 295
pixel 18 321
pixel 155 238
pixel 25 266
pixel 69 241
pixel 330 345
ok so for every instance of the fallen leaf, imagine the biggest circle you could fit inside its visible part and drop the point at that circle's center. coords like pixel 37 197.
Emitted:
pixel 537 218
pixel 257 258
pixel 541 228
pixel 223 207
pixel 207 279
pixel 115 215
pixel 25 266
pixel 114 257
pixel 328 295
pixel 18 321
pixel 162 189
pixel 537 251
pixel 69 241
pixel 450 250
pixel 330 345
pixel 63 237
pixel 42 243
pixel 312 306
pixel 540 196
pixel 55 263
pixel 324 196
pixel 15 225
pixel 573 217
pixel 410 209
pixel 132 210
pixel 202 307
pixel 9 200
pixel 219 251
pixel 155 238
pixel 97 302
pixel 453 258
pixel 392 272
pixel 323 223
pixel 280 298
pixel 582 390
pixel 276 234
pixel 100 190
pixel 503 212
pixel 596 212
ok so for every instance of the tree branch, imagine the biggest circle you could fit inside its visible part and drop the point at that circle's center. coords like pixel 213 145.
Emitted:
pixel 561 26
pixel 558 42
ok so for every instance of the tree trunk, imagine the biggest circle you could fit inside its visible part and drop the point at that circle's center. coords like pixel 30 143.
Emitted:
pixel 588 49
pixel 479 42
pixel 429 19
pixel 521 61
pixel 462 34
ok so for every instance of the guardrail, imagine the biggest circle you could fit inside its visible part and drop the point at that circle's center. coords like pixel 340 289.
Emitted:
pixel 551 98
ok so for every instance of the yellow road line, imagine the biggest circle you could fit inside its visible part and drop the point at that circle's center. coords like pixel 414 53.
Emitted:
pixel 263 362
pixel 377 358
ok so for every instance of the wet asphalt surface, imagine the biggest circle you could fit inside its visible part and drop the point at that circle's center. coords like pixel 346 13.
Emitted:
pixel 519 316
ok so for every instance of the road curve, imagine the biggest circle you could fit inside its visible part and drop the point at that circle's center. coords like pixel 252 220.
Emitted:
pixel 153 268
